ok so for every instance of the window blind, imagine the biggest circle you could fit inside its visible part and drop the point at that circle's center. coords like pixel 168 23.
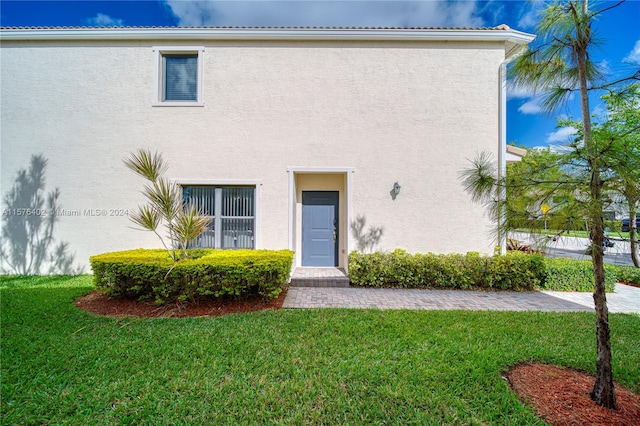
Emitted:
pixel 180 77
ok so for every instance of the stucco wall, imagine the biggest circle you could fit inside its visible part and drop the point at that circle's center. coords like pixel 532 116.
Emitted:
pixel 406 112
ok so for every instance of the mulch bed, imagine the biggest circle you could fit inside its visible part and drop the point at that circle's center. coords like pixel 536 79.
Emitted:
pixel 631 284
pixel 100 304
pixel 560 396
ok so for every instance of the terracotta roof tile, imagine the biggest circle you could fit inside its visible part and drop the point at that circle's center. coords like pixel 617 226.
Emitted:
pixel 501 27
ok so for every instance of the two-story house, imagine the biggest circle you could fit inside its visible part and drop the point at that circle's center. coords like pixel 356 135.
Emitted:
pixel 285 137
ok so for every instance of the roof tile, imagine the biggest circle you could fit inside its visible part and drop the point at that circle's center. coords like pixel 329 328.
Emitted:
pixel 501 27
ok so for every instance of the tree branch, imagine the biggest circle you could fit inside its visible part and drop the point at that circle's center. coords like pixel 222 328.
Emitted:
pixel 598 12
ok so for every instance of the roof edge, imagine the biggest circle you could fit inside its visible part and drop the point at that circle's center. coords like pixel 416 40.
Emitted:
pixel 501 33
pixel 515 150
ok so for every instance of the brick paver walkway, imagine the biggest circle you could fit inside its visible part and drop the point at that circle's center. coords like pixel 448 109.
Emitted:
pixel 625 299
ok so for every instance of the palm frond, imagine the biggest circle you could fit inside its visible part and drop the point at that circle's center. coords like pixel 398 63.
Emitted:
pixel 164 196
pixel 147 218
pixel 188 225
pixel 144 163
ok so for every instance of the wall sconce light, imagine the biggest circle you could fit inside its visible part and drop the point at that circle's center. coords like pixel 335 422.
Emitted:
pixel 396 188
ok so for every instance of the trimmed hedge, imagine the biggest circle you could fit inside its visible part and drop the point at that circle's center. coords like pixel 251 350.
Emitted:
pixel 628 274
pixel 514 271
pixel 208 273
pixel 575 275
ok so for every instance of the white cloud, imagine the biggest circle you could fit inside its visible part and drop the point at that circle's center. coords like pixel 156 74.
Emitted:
pixel 528 20
pixel 102 20
pixel 325 13
pixel 494 11
pixel 529 14
pixel 561 135
pixel 530 107
pixel 634 55
pixel 518 92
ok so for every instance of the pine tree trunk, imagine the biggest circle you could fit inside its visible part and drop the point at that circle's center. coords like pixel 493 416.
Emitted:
pixel 603 392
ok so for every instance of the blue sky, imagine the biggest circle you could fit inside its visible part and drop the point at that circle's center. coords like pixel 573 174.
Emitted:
pixel 619 30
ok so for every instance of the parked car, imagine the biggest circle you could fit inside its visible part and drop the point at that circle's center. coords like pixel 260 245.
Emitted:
pixel 625 224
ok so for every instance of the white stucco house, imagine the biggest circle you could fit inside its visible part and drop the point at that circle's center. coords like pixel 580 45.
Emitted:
pixel 286 137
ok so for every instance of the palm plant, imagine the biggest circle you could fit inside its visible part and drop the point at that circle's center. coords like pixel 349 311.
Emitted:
pixel 183 222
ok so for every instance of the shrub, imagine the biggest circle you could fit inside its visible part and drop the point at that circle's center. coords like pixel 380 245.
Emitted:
pixel 153 274
pixel 575 275
pixel 514 271
pixel 613 225
pixel 628 274
pixel 517 271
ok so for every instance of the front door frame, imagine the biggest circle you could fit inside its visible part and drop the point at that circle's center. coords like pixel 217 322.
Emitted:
pixel 347 172
pixel 332 198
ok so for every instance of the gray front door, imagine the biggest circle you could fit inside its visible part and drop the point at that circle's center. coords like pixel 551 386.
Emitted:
pixel 319 228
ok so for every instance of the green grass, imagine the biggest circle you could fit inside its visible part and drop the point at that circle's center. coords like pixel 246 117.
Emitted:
pixel 64 366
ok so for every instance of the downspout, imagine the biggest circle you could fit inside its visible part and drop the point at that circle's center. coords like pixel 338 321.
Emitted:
pixel 502 147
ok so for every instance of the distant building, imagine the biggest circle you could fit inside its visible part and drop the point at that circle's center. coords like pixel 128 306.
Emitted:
pixel 515 154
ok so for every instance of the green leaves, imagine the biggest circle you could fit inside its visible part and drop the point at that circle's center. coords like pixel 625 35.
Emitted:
pixel 480 178
pixel 151 274
pixel 574 275
pixel 184 223
pixel 144 163
pixel 190 224
pixel 147 218
pixel 515 271
pixel 164 197
pixel 553 68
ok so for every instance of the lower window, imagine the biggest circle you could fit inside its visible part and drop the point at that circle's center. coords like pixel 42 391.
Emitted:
pixel 232 213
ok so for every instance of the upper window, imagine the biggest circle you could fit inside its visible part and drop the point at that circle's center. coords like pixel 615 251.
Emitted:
pixel 180 82
pixel 178 76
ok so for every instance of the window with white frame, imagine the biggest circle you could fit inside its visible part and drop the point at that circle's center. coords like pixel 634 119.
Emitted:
pixel 232 211
pixel 178 76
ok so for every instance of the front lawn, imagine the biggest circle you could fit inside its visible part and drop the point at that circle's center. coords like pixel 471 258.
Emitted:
pixel 62 365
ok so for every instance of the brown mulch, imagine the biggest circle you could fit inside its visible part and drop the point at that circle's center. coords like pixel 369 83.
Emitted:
pixel 560 396
pixel 631 284
pixel 100 304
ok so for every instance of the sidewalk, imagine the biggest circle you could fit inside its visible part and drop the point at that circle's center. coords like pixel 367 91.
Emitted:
pixel 625 299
